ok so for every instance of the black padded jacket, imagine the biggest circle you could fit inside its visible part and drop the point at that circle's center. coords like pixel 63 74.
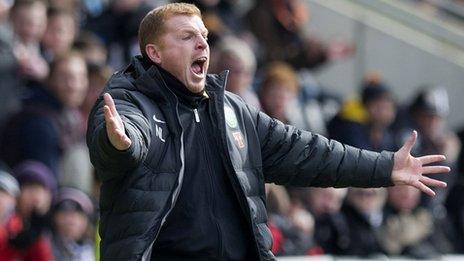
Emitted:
pixel 141 184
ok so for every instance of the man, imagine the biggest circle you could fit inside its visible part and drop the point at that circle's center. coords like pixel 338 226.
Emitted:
pixel 183 164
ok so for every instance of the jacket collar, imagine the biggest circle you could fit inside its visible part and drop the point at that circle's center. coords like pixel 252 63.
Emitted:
pixel 149 81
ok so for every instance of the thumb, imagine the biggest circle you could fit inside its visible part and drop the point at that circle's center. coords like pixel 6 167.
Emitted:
pixel 407 147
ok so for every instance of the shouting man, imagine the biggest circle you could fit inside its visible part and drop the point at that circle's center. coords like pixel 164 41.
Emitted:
pixel 183 162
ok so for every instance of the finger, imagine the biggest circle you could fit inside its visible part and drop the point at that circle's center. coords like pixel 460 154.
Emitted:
pixel 112 125
pixel 433 182
pixel 110 102
pixel 108 114
pixel 435 169
pixel 424 188
pixel 431 158
pixel 410 142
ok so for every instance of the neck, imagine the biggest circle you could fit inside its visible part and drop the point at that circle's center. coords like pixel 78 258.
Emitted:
pixel 179 89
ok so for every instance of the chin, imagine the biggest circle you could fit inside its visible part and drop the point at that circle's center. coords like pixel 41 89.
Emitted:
pixel 196 88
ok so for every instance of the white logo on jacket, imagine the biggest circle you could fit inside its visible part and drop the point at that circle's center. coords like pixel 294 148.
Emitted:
pixel 158 130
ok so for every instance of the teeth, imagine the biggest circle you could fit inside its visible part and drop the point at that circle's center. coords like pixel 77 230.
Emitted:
pixel 202 59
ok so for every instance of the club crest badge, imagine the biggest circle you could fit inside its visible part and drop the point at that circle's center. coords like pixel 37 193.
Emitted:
pixel 238 139
pixel 231 119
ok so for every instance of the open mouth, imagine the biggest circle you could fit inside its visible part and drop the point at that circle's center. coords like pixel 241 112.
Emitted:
pixel 198 66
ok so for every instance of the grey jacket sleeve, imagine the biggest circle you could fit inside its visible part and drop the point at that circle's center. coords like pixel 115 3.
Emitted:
pixel 110 162
pixel 300 158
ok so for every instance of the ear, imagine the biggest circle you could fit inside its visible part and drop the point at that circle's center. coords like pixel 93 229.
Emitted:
pixel 153 52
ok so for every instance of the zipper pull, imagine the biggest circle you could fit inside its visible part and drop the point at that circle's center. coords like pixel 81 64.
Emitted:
pixel 197 117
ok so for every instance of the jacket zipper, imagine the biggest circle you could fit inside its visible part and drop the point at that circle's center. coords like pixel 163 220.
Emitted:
pixel 210 172
pixel 197 117
pixel 147 253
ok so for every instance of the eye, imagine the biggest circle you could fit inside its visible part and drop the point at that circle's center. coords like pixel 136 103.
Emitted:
pixel 187 37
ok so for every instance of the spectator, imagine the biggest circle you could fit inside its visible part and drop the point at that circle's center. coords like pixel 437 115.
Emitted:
pixel 427 114
pixel 29 20
pixel 454 206
pixel 236 56
pixel 49 124
pixel 230 12
pixel 9 190
pixel 8 67
pixel 291 222
pixel 278 26
pixel 71 215
pixel 409 229
pixel 332 230
pixel 118 27
pixel 60 33
pixel 364 215
pixel 92 48
pixel 374 132
pixel 323 201
pixel 28 228
pixel 380 107
pixel 279 87
pixel 279 98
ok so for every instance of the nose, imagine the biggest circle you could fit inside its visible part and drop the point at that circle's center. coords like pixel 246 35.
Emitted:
pixel 201 43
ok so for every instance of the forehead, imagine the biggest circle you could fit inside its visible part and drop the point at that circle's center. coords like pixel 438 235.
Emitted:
pixel 178 23
pixel 71 64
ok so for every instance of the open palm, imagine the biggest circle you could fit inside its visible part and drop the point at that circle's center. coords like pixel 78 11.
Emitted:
pixel 409 170
pixel 114 125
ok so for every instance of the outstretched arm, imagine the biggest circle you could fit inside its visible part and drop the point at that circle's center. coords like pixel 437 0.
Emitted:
pixel 299 158
pixel 409 170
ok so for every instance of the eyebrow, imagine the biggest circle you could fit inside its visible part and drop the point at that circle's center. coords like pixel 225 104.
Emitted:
pixel 193 30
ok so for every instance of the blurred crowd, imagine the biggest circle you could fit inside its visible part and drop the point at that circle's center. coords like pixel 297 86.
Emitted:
pixel 56 55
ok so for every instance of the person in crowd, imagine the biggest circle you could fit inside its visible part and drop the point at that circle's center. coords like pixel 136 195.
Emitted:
pixel 29 21
pixel 291 221
pixel 9 68
pixel 236 56
pixel 279 93
pixel 454 207
pixel 92 48
pixel 409 229
pixel 49 127
pixel 427 114
pixel 279 87
pixel 117 26
pixel 324 201
pixel 183 163
pixel 60 33
pixel 72 213
pixel 229 12
pixel 28 229
pixel 9 191
pixel 363 211
pixel 278 25
pixel 373 133
pixel 331 229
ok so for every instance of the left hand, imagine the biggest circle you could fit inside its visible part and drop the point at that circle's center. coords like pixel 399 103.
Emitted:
pixel 409 170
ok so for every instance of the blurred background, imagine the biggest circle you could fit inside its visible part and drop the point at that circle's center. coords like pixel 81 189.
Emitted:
pixel 364 72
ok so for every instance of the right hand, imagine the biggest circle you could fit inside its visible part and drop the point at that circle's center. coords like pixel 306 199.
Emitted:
pixel 114 125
